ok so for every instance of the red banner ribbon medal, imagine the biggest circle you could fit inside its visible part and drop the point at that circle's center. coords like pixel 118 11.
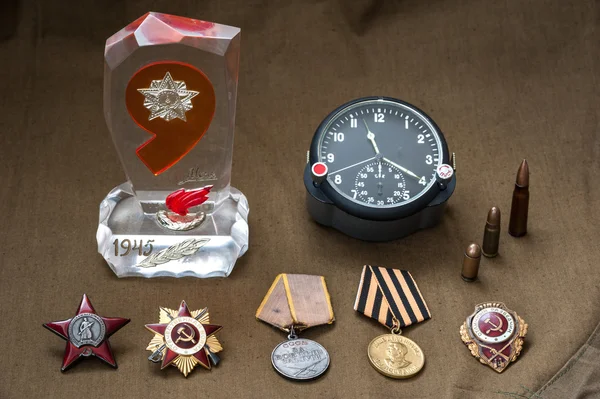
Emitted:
pixel 494 334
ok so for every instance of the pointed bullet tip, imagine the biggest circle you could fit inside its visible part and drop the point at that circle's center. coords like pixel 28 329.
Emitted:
pixel 523 174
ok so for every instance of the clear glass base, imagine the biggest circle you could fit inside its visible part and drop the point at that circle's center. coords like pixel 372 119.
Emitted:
pixel 136 244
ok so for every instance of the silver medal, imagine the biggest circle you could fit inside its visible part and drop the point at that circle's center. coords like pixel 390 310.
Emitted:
pixel 300 359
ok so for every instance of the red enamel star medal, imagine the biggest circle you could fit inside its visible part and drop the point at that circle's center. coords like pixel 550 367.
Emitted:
pixel 184 339
pixel 87 334
pixel 494 334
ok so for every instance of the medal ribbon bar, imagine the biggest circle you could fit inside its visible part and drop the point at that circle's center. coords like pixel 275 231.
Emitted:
pixel 298 300
pixel 390 294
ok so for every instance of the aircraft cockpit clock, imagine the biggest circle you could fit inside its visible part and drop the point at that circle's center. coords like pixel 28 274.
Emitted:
pixel 378 169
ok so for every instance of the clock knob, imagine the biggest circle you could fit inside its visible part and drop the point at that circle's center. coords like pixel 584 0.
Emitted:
pixel 319 172
pixel 444 175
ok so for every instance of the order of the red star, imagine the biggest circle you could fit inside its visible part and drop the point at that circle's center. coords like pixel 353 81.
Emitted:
pixel 102 350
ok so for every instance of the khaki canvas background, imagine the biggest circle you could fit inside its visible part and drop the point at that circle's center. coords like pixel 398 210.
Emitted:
pixel 505 80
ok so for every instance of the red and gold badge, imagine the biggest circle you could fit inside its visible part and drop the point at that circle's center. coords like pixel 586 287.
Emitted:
pixel 494 334
pixel 184 339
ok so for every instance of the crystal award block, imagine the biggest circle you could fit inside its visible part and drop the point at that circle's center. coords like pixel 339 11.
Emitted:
pixel 170 88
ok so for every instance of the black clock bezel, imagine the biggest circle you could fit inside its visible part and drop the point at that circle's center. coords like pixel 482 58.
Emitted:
pixel 374 213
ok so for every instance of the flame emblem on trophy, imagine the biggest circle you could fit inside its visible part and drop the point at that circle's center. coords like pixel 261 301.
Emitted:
pixel 179 202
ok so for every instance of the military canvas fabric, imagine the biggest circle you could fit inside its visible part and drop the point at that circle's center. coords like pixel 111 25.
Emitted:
pixel 505 80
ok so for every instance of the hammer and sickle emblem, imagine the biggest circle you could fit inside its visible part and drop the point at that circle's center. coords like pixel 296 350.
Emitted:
pixel 494 326
pixel 184 336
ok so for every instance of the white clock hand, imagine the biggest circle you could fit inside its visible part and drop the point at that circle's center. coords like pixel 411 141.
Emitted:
pixel 408 172
pixel 371 137
pixel 351 166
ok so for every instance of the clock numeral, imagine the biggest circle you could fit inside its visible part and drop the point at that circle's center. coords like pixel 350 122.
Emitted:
pixel 363 175
pixel 370 199
pixel 422 181
pixel 330 158
pixel 360 184
pixel 390 200
pixel 380 118
pixel 370 169
pixel 406 195
pixel 353 123
pixel 397 193
pixel 428 159
pixel 396 176
pixel 380 202
pixel 338 179
pixel 338 137
pixel 421 139
pixel 354 192
pixel 400 185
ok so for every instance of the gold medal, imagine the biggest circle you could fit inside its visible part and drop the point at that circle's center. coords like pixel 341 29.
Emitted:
pixel 392 297
pixel 396 356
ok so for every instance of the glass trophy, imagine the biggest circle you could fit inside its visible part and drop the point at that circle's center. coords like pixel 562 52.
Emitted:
pixel 170 87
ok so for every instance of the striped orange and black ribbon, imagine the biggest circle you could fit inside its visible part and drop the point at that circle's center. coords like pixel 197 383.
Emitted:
pixel 387 294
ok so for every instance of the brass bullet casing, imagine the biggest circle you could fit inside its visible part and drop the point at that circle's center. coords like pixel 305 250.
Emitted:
pixel 491 233
pixel 517 226
pixel 471 261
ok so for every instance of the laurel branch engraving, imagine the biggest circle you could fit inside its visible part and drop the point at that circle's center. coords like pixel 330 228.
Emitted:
pixel 174 252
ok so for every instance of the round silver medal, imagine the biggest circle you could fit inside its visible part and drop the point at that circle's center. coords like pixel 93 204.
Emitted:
pixel 300 359
pixel 86 329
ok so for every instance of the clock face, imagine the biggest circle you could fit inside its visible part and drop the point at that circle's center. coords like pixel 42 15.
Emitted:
pixel 381 153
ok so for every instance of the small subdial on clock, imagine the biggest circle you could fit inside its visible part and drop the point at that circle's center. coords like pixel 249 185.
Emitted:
pixel 380 183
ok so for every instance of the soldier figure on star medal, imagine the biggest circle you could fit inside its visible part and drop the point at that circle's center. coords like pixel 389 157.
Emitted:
pixel 87 334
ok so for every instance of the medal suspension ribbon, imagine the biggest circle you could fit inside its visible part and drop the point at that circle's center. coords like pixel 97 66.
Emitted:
pixel 296 302
pixel 391 297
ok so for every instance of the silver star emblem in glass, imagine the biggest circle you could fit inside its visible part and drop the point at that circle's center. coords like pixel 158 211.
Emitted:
pixel 168 99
